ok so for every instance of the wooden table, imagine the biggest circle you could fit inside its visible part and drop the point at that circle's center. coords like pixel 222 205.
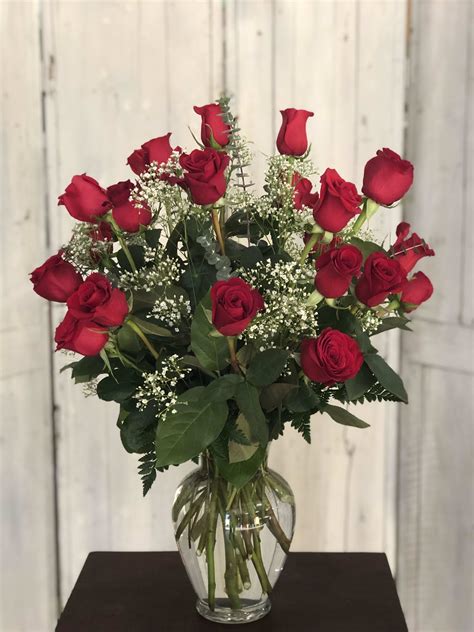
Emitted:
pixel 317 592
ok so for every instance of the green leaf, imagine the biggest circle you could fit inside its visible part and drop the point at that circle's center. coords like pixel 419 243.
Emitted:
pixel 250 256
pixel 137 254
pixel 364 343
pixel 86 369
pixel 266 366
pixel 359 384
pixel 128 341
pixel 273 395
pixel 212 352
pixel 150 327
pixel 302 399
pixel 239 474
pixel 343 416
pixel 387 376
pixel 224 387
pixel 137 430
pixel 366 247
pixel 119 387
pixel 248 401
pixel 197 422
pixel 152 237
pixel 393 322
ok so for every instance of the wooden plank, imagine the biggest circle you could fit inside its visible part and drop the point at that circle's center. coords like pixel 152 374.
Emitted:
pixel 136 87
pixel 27 527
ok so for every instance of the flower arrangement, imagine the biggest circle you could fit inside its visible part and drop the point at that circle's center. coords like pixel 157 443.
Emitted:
pixel 215 316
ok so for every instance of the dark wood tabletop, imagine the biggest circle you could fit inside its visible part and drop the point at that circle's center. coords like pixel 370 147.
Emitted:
pixel 317 592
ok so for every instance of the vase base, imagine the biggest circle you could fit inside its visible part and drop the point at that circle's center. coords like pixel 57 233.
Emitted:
pixel 222 613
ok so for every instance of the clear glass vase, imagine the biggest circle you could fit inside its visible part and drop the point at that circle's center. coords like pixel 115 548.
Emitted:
pixel 233 541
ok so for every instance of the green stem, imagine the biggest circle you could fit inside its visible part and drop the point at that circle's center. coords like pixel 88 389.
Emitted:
pixel 233 357
pixel 217 229
pixel 257 551
pixel 143 338
pixel 368 210
pixel 118 234
pixel 211 543
pixel 309 246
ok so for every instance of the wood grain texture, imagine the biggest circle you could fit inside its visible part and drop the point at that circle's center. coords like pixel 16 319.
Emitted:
pixel 27 536
pixel 436 511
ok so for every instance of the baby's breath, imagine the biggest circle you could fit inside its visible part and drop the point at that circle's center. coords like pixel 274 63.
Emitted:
pixel 160 386
pixel 171 310
pixel 163 273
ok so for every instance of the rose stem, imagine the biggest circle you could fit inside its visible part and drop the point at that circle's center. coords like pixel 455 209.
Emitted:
pixel 211 543
pixel 233 357
pixel 368 209
pixel 231 568
pixel 122 243
pixel 143 338
pixel 309 246
pixel 257 552
pixel 217 229
pixel 275 526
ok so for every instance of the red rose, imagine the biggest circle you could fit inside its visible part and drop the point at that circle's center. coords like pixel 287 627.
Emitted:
pixel 338 202
pixel 85 199
pixel 234 305
pixel 387 177
pixel 96 300
pixel 81 336
pixel 303 196
pixel 416 291
pixel 292 139
pixel 156 150
pixel 126 214
pixel 56 279
pixel 213 123
pixel 409 251
pixel 336 269
pixel 102 232
pixel 331 357
pixel 382 276
pixel 204 174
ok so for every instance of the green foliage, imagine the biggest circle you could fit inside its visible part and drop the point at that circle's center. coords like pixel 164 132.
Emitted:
pixel 267 366
pixel 387 377
pixel 147 471
pixel 343 416
pixel 86 369
pixel 302 423
pixel 393 322
pixel 211 351
pixel 248 401
pixel 238 474
pixel 366 247
pixel 197 422
pixel 360 384
pixel 119 387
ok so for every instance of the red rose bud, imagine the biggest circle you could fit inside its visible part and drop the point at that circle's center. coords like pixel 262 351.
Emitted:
pixel 156 150
pixel 387 177
pixel 85 199
pixel 80 336
pixel 382 276
pixel 212 124
pixel 204 174
pixel 330 358
pixel 338 202
pixel 96 300
pixel 336 269
pixel 56 279
pixel 303 196
pixel 126 214
pixel 416 291
pixel 409 251
pixel 292 139
pixel 234 305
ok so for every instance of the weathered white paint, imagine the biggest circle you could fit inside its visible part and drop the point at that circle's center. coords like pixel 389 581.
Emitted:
pixel 27 538
pixel 436 511
pixel 116 73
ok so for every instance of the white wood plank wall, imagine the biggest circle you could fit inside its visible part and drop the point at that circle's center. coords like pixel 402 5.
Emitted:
pixel 83 84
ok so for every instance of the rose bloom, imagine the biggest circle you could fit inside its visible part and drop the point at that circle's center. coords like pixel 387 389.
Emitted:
pixel 213 124
pixel 85 199
pixel 96 300
pixel 80 336
pixel 335 270
pixel 56 279
pixel 408 250
pixel 303 196
pixel 387 177
pixel 204 174
pixel 338 202
pixel 292 139
pixel 234 305
pixel 416 291
pixel 156 150
pixel 126 214
pixel 330 358
pixel 382 276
